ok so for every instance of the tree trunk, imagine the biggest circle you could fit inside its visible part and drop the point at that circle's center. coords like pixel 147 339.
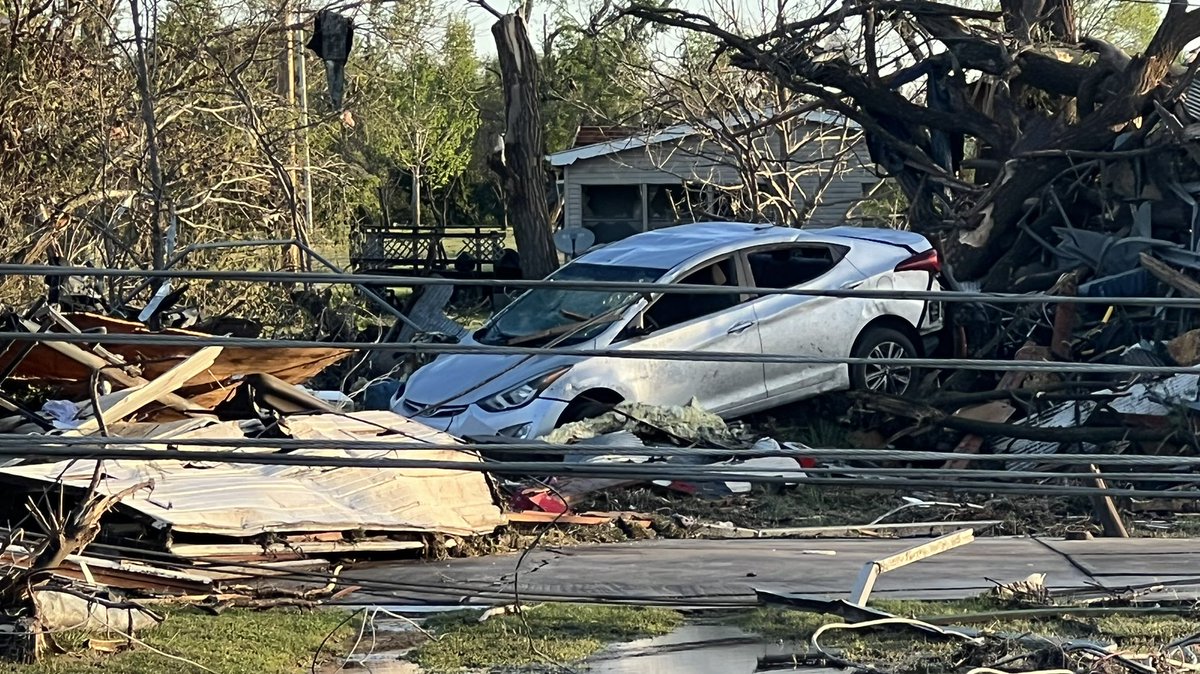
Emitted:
pixel 519 165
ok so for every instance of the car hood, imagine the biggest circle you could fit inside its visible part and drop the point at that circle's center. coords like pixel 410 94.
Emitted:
pixel 462 379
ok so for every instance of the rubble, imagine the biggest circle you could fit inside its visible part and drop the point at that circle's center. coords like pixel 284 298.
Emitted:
pixel 301 508
pixel 689 423
pixel 44 363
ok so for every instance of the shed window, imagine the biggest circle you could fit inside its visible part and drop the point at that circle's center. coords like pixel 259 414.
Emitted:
pixel 612 212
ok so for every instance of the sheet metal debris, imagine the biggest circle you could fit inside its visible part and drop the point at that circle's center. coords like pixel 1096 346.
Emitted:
pixel 243 501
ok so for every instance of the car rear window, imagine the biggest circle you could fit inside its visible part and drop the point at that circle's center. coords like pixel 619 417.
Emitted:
pixel 792 266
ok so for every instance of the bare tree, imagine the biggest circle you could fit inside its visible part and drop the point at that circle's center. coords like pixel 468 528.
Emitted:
pixel 739 139
pixel 770 152
pixel 993 123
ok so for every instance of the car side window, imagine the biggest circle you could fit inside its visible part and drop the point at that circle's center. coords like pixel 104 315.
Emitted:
pixel 675 308
pixel 790 266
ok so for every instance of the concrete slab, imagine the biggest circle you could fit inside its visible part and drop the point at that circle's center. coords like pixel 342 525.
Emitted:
pixel 727 571
pixel 1131 556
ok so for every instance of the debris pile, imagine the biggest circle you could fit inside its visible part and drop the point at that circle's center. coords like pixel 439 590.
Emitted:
pixel 633 433
pixel 1102 379
pixel 97 542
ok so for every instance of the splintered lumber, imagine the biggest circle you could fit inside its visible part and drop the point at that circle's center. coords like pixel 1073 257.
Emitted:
pixel 873 569
pixel 138 397
pixel 207 389
pixel 1105 508
pixel 97 364
pixel 997 411
pixel 1176 279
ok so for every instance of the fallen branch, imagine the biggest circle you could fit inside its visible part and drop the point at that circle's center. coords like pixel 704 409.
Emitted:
pixel 76 532
pixel 1176 279
pixel 928 416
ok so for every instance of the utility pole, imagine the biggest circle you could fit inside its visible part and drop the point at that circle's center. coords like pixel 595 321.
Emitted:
pixel 306 168
pixel 293 255
pixel 295 88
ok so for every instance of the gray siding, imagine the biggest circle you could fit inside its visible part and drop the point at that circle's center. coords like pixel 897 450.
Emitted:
pixel 659 164
pixel 694 160
pixel 573 199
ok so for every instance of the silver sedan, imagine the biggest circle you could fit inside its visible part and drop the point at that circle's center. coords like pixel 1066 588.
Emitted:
pixel 522 397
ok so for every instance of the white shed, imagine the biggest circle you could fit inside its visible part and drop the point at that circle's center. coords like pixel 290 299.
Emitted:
pixel 620 186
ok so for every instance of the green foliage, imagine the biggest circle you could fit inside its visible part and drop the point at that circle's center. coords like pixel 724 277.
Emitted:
pixel 1129 25
pixel 415 99
pixel 234 642
pixel 595 74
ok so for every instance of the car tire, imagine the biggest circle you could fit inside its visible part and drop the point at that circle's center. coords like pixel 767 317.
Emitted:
pixel 884 343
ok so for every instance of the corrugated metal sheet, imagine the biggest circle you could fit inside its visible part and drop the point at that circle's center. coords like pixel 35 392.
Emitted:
pixel 247 500
pixel 680 131
pixel 1191 99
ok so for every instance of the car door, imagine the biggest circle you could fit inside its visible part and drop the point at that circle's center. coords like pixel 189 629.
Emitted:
pixel 697 323
pixel 800 325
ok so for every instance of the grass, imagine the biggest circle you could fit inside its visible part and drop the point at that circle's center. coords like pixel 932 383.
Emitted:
pixel 556 633
pixel 909 652
pixel 234 642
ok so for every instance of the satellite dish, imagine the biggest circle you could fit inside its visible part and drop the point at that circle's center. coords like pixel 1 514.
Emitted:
pixel 572 241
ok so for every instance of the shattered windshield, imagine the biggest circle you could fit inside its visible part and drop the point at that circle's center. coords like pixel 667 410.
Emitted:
pixel 544 313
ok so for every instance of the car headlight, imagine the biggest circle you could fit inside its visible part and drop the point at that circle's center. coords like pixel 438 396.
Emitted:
pixel 522 395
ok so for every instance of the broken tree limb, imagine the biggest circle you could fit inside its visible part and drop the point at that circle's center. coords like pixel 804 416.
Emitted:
pixel 1052 392
pixel 1176 279
pixel 927 416
pixel 68 537
pixel 135 398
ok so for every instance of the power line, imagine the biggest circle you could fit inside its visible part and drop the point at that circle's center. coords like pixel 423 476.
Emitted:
pixel 12 442
pixel 611 286
pixel 635 354
pixel 646 472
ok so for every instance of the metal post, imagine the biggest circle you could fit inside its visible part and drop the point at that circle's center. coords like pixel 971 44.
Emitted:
pixel 306 170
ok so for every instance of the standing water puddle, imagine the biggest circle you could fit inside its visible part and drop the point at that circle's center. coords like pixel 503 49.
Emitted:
pixel 691 649
pixel 695 649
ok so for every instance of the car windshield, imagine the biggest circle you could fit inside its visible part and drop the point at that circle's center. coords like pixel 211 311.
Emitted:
pixel 545 313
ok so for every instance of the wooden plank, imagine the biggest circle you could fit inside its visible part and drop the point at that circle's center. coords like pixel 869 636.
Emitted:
pixel 872 570
pixel 140 396
pixel 864 584
pixel 222 552
pixel 1176 279
pixel 899 530
pixel 94 362
pixel 926 550
pixel 1105 509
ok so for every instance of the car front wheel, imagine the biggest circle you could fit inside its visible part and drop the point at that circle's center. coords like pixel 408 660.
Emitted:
pixel 884 344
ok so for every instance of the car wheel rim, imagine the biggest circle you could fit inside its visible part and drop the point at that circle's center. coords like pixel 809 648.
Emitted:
pixel 890 379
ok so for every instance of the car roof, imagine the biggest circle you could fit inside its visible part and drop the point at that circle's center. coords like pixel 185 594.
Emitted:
pixel 671 246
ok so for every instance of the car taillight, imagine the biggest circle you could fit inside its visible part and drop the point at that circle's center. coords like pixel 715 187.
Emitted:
pixel 927 261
